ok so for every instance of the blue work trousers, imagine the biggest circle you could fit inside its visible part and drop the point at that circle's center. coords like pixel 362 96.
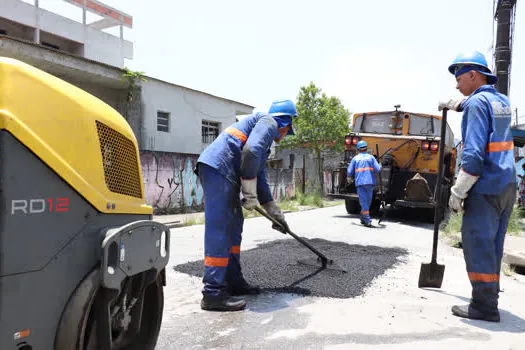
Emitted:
pixel 483 230
pixel 365 194
pixel 222 233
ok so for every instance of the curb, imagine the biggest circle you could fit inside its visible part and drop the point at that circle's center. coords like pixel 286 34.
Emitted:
pixel 514 258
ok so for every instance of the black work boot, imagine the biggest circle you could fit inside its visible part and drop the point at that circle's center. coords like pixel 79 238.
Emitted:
pixel 222 302
pixel 467 311
pixel 243 288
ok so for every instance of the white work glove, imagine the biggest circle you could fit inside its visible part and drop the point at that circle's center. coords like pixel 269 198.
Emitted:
pixel 451 104
pixel 275 212
pixel 249 192
pixel 458 192
pixel 349 180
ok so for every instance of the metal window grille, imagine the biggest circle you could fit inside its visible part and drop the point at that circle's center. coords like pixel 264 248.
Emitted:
pixel 210 131
pixel 163 121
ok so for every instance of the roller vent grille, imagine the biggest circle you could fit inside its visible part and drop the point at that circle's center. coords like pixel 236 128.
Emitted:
pixel 120 162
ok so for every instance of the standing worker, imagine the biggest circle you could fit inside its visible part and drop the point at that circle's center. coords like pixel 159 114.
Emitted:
pixel 362 167
pixel 485 188
pixel 235 162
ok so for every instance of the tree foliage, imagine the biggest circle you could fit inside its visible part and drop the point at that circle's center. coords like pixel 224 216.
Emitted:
pixel 322 124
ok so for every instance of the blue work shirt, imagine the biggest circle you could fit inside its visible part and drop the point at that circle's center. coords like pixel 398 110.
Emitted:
pixel 362 168
pixel 488 148
pixel 241 151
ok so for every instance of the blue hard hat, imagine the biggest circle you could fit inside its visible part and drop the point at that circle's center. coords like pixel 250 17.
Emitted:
pixel 362 144
pixel 465 62
pixel 283 111
pixel 284 107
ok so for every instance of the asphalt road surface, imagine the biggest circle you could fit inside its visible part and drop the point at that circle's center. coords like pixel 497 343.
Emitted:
pixel 375 305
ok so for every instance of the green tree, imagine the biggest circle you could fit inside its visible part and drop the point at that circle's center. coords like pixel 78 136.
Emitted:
pixel 131 77
pixel 322 124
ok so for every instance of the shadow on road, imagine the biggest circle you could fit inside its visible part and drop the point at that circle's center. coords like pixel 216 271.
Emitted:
pixel 410 217
pixel 510 322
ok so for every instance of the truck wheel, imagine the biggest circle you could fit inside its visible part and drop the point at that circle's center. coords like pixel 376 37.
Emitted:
pixel 78 325
pixel 352 206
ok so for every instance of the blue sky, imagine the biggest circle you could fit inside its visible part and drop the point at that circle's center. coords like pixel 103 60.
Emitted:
pixel 370 54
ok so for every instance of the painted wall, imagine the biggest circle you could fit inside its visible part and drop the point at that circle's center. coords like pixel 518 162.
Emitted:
pixel 281 183
pixel 169 182
pixel 300 158
pixel 171 186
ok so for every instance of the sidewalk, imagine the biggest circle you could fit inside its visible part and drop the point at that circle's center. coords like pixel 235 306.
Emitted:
pixel 514 250
pixel 180 220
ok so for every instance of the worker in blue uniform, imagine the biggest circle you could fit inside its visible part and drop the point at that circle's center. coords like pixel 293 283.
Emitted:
pixel 485 188
pixel 236 162
pixel 362 169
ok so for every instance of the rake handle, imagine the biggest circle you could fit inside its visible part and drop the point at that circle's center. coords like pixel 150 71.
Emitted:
pixel 324 259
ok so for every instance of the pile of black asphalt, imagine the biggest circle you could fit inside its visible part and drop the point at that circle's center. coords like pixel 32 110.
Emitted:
pixel 275 267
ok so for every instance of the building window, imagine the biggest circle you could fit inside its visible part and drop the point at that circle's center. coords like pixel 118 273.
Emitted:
pixel 163 121
pixel 210 131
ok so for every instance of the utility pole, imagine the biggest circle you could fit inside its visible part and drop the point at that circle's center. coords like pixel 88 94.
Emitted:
pixel 503 51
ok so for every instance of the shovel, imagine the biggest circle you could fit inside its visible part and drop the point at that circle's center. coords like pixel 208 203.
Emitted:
pixel 431 275
pixel 383 212
pixel 321 258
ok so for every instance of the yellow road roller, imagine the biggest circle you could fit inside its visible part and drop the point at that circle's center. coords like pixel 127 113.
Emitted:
pixel 82 263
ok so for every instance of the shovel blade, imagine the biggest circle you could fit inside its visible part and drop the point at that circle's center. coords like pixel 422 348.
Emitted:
pixel 431 275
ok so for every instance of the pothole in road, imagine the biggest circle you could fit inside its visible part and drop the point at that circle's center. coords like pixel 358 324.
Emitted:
pixel 274 267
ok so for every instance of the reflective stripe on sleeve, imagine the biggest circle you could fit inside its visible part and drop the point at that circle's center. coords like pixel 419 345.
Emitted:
pixel 500 146
pixel 237 133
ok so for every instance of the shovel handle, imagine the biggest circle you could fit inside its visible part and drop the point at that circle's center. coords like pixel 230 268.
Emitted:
pixel 438 205
pixel 323 257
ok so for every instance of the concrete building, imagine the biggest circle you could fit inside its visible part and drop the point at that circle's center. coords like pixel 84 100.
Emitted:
pixel 173 124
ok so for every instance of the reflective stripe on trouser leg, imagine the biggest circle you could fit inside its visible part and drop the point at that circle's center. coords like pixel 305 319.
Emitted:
pixel 220 197
pixel 234 273
pixel 483 231
pixel 365 199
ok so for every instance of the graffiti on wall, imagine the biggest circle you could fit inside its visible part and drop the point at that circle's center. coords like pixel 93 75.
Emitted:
pixel 281 183
pixel 170 184
pixel 328 181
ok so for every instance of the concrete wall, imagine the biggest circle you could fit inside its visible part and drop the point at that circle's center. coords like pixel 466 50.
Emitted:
pixel 303 158
pixel 171 186
pixel 71 36
pixel 187 108
pixel 169 182
pixel 282 184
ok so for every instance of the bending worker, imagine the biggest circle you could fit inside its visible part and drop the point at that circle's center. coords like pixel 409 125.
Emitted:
pixel 362 168
pixel 235 162
pixel 485 188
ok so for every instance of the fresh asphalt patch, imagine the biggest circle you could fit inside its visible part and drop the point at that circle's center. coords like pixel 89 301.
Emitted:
pixel 274 267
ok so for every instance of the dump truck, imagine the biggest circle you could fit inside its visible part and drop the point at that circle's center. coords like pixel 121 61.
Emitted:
pixel 406 144
pixel 82 263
